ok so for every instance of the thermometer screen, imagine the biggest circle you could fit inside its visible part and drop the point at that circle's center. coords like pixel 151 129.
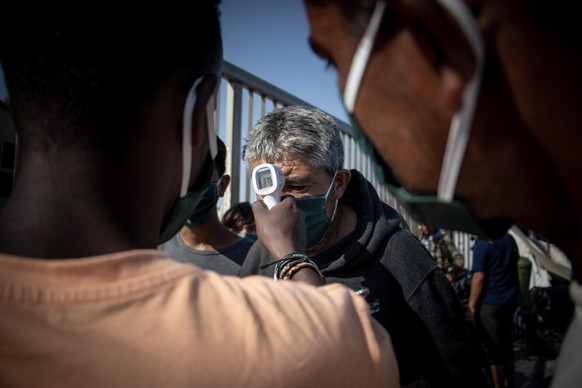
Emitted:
pixel 264 179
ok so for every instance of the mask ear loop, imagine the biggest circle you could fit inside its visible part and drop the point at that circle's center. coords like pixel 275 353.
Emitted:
pixel 361 57
pixel 187 137
pixel 327 193
pixel 463 119
pixel 210 112
pixel 187 134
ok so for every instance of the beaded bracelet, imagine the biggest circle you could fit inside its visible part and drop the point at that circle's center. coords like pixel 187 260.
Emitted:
pixel 290 264
pixel 283 265
pixel 297 267
pixel 288 259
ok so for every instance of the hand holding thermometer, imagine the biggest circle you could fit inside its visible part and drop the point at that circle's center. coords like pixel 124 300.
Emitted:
pixel 268 181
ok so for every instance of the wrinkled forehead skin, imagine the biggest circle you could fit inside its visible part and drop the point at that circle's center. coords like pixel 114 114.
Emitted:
pixel 406 101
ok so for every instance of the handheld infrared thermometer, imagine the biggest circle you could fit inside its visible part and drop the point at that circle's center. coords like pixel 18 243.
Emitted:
pixel 268 181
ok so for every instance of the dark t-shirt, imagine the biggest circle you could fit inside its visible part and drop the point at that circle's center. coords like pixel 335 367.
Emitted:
pixel 498 260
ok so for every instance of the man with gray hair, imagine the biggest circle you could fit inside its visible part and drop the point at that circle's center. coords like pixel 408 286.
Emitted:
pixel 357 240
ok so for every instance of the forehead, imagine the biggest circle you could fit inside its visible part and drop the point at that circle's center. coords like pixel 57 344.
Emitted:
pixel 330 35
pixel 398 79
pixel 297 170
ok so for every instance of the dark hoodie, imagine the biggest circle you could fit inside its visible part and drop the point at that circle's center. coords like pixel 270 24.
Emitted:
pixel 408 294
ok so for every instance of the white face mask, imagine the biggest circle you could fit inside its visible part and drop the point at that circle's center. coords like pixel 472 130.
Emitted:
pixel 462 120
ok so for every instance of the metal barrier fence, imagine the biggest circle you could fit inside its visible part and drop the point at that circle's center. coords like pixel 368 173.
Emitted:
pixel 243 99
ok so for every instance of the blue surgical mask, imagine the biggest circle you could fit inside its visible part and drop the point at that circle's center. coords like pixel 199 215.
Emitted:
pixel 442 210
pixel 190 197
pixel 206 205
pixel 316 221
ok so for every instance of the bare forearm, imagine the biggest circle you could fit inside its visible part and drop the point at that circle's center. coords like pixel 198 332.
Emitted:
pixel 476 290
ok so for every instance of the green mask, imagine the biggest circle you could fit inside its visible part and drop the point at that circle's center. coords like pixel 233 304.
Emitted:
pixel 206 205
pixel 188 204
pixel 316 221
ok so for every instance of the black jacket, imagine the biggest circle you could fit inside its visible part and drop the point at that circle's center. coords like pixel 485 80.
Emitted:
pixel 408 294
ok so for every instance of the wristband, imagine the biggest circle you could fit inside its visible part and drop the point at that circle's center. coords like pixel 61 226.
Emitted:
pixel 292 263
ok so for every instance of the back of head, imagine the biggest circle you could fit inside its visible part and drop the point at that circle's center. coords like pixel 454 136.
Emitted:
pixel 425 230
pixel 81 85
pixel 300 132
pixel 239 218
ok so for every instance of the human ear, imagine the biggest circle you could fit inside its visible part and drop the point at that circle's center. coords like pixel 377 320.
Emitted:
pixel 340 183
pixel 223 185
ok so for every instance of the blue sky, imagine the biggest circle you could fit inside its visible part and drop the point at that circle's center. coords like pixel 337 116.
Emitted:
pixel 268 38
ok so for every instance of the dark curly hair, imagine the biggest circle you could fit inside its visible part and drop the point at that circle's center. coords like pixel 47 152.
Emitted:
pixel 240 217
pixel 82 83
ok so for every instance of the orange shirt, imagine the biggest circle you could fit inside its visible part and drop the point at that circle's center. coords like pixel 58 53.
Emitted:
pixel 139 319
